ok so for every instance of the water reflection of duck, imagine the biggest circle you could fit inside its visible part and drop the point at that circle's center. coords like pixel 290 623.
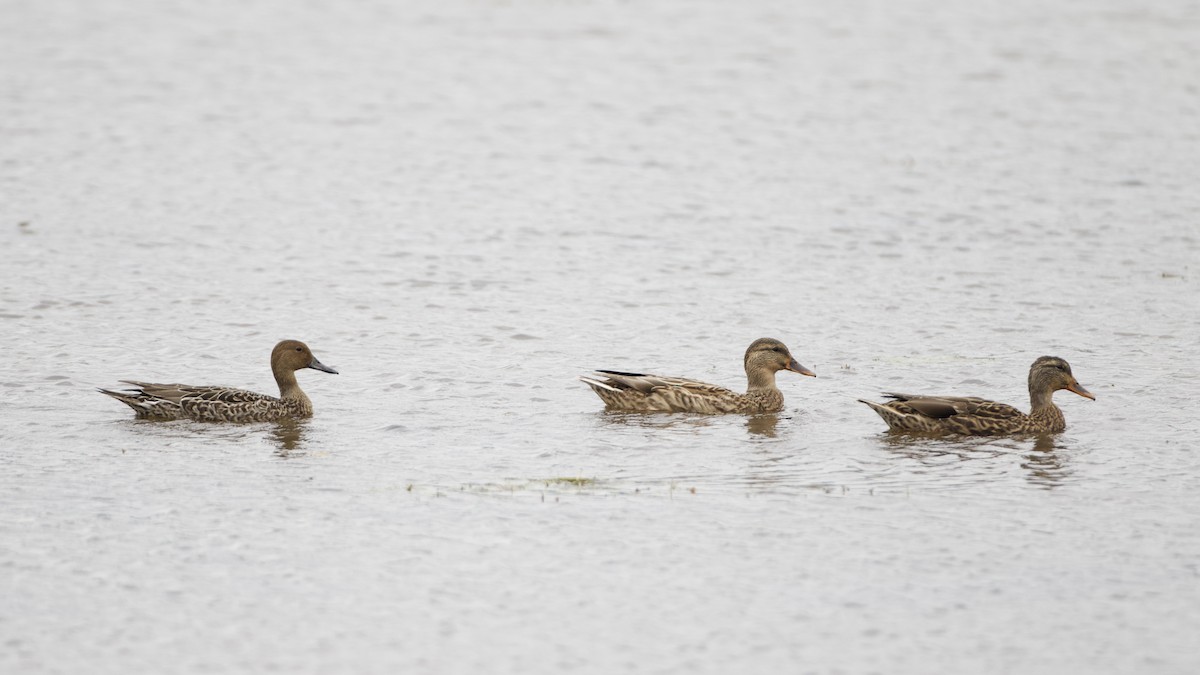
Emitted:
pixel 988 457
pixel 977 416
pixel 638 392
pixel 288 434
pixel 224 404
pixel 1047 467
pixel 763 425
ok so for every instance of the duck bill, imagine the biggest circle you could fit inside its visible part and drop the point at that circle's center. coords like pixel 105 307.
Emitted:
pixel 1077 388
pixel 317 365
pixel 797 368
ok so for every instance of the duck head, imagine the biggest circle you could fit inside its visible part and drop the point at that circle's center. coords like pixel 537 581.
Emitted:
pixel 1050 373
pixel 292 355
pixel 771 355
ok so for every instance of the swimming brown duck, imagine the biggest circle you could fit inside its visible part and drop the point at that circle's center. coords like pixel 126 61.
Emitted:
pixel 981 417
pixel 637 392
pixel 225 404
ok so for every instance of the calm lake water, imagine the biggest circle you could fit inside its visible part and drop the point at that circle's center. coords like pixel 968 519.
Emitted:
pixel 463 206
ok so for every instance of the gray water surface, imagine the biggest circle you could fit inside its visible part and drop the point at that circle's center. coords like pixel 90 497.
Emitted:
pixel 462 206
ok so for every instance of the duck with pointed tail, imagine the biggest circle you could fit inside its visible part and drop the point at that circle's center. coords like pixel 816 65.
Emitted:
pixel 225 404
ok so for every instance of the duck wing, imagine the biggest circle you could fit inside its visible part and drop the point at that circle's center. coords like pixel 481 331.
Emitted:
pixel 647 383
pixel 643 392
pixel 948 414
pixel 942 407
pixel 177 393
pixel 171 393
pixel 226 395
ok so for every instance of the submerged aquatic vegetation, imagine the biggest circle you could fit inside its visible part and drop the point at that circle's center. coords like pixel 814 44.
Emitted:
pixel 577 481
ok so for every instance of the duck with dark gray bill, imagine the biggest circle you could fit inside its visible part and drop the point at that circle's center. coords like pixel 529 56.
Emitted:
pixel 638 392
pixel 225 404
pixel 981 417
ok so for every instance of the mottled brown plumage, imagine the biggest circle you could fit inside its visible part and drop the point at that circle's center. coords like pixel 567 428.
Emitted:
pixel 637 392
pixel 981 417
pixel 225 404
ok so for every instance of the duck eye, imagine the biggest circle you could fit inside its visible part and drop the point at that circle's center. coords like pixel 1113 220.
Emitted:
pixel 299 349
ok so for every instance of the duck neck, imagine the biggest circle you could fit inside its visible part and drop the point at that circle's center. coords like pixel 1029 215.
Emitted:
pixel 1040 399
pixel 760 379
pixel 289 388
pixel 1044 416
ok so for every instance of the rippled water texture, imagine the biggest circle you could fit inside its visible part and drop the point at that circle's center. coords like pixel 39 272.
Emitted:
pixel 462 206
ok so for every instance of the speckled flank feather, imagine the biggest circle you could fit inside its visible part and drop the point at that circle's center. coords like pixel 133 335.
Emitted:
pixel 639 392
pixel 981 417
pixel 226 404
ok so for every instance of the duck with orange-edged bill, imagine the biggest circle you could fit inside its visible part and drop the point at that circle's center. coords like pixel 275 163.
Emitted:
pixel 640 392
pixel 981 417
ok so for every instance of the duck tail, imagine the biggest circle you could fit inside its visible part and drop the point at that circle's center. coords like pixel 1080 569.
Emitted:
pixel 596 384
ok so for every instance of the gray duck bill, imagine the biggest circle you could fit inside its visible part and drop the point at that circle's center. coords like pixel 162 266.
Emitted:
pixel 317 365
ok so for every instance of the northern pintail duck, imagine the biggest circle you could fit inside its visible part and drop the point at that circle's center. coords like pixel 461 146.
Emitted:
pixel 981 417
pixel 224 404
pixel 635 392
